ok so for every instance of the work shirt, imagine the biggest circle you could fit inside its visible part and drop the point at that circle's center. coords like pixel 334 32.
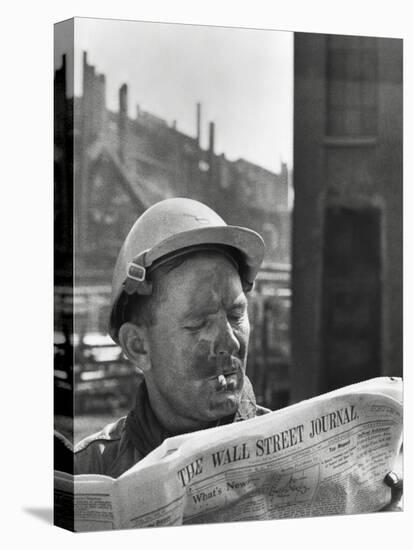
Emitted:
pixel 121 444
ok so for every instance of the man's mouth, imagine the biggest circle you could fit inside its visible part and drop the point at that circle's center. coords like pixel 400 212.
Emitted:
pixel 228 381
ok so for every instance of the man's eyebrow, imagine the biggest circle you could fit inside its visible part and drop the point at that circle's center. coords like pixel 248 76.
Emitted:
pixel 200 310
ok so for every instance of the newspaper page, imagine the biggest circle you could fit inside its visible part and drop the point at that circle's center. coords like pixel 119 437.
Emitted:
pixel 328 455
pixel 92 502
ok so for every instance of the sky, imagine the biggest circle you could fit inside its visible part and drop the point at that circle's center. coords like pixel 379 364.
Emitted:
pixel 243 79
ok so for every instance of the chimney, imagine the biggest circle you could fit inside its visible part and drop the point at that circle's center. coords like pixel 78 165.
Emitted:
pixel 84 66
pixel 87 115
pixel 211 137
pixel 198 124
pixel 211 151
pixel 123 99
pixel 100 102
pixel 123 119
pixel 60 85
pixel 87 76
pixel 63 69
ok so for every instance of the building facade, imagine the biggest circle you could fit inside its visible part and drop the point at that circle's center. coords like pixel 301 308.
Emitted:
pixel 347 217
pixel 123 165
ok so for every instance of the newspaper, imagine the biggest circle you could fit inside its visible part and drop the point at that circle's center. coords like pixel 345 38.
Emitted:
pixel 327 455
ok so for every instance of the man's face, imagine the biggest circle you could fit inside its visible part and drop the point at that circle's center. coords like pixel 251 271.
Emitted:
pixel 201 333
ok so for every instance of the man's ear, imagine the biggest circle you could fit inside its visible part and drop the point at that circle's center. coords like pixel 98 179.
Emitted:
pixel 134 343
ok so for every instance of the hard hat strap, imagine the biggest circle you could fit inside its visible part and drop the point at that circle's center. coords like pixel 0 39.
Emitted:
pixel 137 280
pixel 136 272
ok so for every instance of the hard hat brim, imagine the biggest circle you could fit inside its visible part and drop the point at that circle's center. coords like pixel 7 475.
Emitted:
pixel 246 241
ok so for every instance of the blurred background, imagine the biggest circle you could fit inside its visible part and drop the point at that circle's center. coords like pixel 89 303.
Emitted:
pixel 149 111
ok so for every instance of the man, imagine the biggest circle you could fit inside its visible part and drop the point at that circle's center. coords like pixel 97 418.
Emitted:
pixel 179 312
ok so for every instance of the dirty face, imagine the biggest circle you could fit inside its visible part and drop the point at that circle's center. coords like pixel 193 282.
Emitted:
pixel 198 345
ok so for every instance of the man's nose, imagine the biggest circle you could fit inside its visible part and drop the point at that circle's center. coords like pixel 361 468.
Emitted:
pixel 226 342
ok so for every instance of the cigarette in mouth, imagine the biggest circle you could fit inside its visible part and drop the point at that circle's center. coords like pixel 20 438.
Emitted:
pixel 222 381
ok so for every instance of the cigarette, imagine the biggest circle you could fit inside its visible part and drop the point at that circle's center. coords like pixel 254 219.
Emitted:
pixel 222 381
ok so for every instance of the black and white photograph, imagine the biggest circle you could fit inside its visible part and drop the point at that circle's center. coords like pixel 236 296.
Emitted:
pixel 228 214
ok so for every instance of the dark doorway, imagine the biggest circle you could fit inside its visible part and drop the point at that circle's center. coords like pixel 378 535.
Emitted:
pixel 351 296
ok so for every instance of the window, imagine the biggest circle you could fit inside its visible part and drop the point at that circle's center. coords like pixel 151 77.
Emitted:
pixel 352 67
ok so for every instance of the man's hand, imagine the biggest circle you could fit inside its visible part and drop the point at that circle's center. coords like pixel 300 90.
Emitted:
pixel 395 482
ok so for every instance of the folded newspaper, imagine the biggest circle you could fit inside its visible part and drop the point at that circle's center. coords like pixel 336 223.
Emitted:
pixel 327 455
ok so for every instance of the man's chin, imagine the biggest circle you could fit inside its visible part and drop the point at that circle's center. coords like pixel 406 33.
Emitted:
pixel 225 404
pixel 221 402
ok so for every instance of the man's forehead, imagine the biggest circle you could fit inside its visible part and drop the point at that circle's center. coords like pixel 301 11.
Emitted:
pixel 215 269
pixel 208 280
pixel 212 286
pixel 207 297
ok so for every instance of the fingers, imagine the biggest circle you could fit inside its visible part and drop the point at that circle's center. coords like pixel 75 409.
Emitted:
pixel 395 482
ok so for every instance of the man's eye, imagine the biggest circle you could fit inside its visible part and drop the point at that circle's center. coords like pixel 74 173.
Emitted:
pixel 196 326
pixel 236 317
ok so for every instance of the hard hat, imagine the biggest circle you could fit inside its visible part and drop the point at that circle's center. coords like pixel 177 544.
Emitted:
pixel 170 228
